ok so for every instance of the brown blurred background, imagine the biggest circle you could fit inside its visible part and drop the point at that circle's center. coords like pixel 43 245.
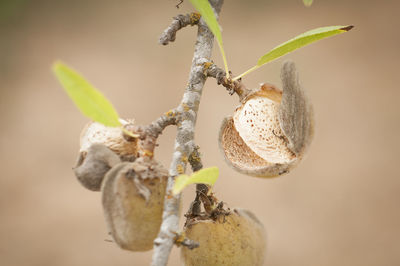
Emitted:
pixel 340 206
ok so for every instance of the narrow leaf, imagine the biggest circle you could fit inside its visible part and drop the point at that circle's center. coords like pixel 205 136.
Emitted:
pixel 89 100
pixel 296 43
pixel 204 176
pixel 307 2
pixel 207 14
pixel 302 40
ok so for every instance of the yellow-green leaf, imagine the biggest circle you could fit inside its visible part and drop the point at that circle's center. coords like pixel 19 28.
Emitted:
pixel 89 100
pixel 207 14
pixel 296 43
pixel 300 41
pixel 307 2
pixel 204 176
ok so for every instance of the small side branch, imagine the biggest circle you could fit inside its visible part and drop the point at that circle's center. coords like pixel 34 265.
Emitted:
pixel 190 244
pixel 181 240
pixel 148 134
pixel 178 23
pixel 157 126
pixel 212 70
pixel 179 4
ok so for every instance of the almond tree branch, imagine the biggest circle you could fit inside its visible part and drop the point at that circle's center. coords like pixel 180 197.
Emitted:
pixel 157 126
pixel 181 240
pixel 178 23
pixel 190 244
pixel 184 141
pixel 148 134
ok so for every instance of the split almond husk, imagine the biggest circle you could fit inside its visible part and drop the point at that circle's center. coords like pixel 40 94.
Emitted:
pixel 271 130
pixel 102 147
pixel 111 137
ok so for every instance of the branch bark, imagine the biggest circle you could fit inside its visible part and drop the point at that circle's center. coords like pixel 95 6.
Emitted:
pixel 184 142
pixel 178 23
pixel 236 86
pixel 148 134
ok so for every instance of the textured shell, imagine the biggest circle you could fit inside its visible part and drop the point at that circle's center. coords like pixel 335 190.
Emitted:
pixel 237 239
pixel 110 136
pixel 241 158
pixel 257 123
pixel 133 200
pixel 270 131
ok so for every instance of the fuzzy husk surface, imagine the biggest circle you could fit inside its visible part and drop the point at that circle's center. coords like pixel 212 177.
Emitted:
pixel 237 239
pixel 93 165
pixel 133 199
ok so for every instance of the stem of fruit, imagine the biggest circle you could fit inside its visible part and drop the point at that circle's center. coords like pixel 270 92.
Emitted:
pixel 233 86
pixel 184 141
pixel 201 189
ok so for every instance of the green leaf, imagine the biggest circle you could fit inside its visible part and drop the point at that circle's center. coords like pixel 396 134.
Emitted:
pixel 89 100
pixel 204 176
pixel 207 14
pixel 300 41
pixel 307 2
pixel 296 43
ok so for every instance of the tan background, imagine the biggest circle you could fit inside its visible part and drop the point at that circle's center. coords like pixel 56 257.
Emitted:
pixel 340 206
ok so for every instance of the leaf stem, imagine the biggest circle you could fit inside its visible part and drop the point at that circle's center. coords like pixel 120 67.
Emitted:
pixel 127 132
pixel 224 59
pixel 246 72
